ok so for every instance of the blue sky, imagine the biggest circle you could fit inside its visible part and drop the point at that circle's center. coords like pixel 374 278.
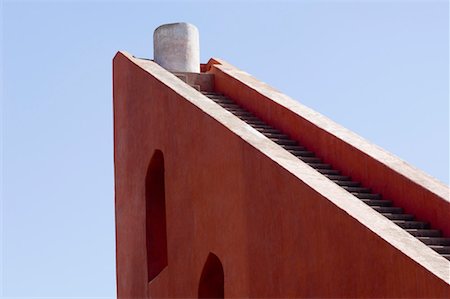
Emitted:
pixel 380 68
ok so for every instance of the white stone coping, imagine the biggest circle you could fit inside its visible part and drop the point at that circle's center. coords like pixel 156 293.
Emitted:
pixel 368 217
pixel 176 47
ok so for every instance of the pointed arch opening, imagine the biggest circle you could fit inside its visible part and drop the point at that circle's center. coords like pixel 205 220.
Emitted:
pixel 155 216
pixel 211 281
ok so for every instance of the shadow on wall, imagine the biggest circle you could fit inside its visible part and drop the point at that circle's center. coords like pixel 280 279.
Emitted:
pixel 155 209
pixel 211 280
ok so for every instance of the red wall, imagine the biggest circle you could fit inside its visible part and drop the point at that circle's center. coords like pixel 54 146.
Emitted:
pixel 273 234
pixel 413 197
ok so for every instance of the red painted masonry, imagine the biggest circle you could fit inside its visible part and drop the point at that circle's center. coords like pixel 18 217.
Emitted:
pixel 404 191
pixel 231 212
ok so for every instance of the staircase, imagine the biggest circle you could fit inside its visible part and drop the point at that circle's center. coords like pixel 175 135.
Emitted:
pixel 421 230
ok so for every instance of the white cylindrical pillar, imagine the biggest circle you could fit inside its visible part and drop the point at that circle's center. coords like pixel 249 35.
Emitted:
pixel 176 47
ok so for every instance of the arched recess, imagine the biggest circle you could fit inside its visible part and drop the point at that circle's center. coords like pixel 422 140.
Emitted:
pixel 211 281
pixel 155 216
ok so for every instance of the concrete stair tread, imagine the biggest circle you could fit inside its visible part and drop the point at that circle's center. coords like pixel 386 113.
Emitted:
pixel 239 112
pixel 276 135
pixel 366 195
pixel 377 202
pixel 347 183
pixel 442 249
pixel 222 101
pixel 258 125
pixel 294 148
pixel 233 106
pixel 251 119
pixel 424 232
pixel 411 224
pixel 435 240
pixel 328 171
pixel 219 98
pixel 356 189
pixel 390 210
pixel 284 141
pixel 266 129
pixel 340 178
pixel 309 159
pixel 261 125
pixel 320 166
pixel 302 153
pixel 398 216
pixel 212 93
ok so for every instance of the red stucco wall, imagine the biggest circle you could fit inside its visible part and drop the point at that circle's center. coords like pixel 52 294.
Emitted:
pixel 274 235
pixel 373 173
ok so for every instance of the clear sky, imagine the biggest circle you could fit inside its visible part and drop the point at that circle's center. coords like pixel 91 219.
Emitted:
pixel 380 68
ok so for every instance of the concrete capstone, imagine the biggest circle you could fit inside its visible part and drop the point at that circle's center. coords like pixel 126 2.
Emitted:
pixel 176 47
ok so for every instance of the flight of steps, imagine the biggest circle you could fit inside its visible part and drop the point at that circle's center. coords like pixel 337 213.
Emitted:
pixel 419 229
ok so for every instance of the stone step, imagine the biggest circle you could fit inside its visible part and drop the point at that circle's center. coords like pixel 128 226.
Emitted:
pixel 309 159
pixel 267 129
pixel 260 125
pixel 232 106
pixel 250 119
pixel 239 112
pixel 342 178
pixel 284 141
pixel 227 105
pixel 221 100
pixel 366 195
pixel 357 189
pixel 424 232
pixel 388 210
pixel 440 249
pixel 320 166
pixel 276 135
pixel 255 123
pixel 347 183
pixel 224 104
pixel 398 216
pixel 328 171
pixel 212 93
pixel 294 147
pixel 435 241
pixel 302 153
pixel 377 202
pixel 411 224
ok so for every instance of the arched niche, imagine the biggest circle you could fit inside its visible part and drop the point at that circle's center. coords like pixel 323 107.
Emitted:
pixel 155 216
pixel 211 281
